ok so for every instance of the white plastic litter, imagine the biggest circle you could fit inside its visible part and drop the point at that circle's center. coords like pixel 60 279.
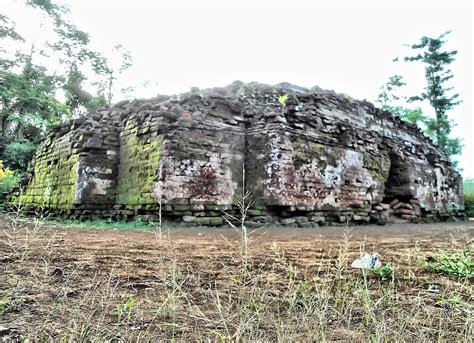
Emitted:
pixel 368 261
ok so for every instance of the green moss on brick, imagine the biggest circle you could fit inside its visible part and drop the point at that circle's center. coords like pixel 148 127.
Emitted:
pixel 138 170
pixel 378 168
pixel 54 181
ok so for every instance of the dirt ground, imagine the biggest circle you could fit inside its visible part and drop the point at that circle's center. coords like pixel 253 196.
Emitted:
pixel 59 283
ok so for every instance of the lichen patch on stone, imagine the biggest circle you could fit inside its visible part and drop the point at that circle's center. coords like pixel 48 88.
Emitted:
pixel 318 156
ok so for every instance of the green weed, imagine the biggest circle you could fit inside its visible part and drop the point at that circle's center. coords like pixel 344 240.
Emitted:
pixel 282 99
pixel 454 300
pixel 453 264
pixel 124 310
pixel 386 272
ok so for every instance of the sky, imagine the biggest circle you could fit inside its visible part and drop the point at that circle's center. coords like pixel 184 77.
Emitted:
pixel 347 46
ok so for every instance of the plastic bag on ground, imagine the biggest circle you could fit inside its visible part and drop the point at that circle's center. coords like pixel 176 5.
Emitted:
pixel 368 261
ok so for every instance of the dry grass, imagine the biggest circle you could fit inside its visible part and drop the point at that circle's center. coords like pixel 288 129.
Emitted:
pixel 79 285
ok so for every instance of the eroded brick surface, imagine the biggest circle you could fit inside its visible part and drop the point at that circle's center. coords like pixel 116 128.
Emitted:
pixel 318 157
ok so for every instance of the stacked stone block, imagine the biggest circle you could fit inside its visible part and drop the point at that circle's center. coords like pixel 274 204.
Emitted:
pixel 318 157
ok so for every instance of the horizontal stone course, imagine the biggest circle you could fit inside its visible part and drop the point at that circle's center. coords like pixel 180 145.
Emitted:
pixel 319 157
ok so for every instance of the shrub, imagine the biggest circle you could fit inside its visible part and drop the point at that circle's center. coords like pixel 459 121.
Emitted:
pixel 468 186
pixel 469 204
pixel 19 153
pixel 8 179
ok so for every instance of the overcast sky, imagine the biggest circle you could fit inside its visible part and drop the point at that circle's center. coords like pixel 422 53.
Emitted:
pixel 347 46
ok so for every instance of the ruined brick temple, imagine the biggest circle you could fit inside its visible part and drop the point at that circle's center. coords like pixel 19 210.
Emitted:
pixel 316 157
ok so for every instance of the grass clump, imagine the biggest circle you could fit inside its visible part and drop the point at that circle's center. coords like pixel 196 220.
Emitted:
pixel 4 306
pixel 454 300
pixel 102 224
pixel 385 272
pixel 452 264
pixel 124 310
pixel 89 286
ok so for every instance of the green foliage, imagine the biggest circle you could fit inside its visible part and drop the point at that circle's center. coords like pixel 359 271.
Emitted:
pixel 282 99
pixel 18 154
pixel 7 29
pixel 125 310
pixel 454 300
pixel 385 272
pixel 77 98
pixel 72 48
pixel 413 116
pixel 8 182
pixel 3 307
pixel 453 264
pixel 106 224
pixel 468 187
pixel 388 97
pixel 436 62
pixel 6 303
pixel 437 74
pixel 469 204
pixel 112 72
pixel 27 103
pixel 8 179
pixel 30 93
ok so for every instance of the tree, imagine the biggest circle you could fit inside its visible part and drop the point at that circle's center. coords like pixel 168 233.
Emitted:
pixel 87 76
pixel 34 76
pixel 437 74
pixel 77 98
pixel 388 98
pixel 28 108
pixel 387 93
pixel 113 69
pixel 72 49
pixel 436 62
pixel 19 154
pixel 84 76
pixel 7 29
pixel 27 103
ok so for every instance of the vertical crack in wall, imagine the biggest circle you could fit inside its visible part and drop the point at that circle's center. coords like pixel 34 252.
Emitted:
pixel 323 160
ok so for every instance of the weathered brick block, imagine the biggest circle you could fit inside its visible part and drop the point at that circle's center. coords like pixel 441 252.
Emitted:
pixel 322 157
